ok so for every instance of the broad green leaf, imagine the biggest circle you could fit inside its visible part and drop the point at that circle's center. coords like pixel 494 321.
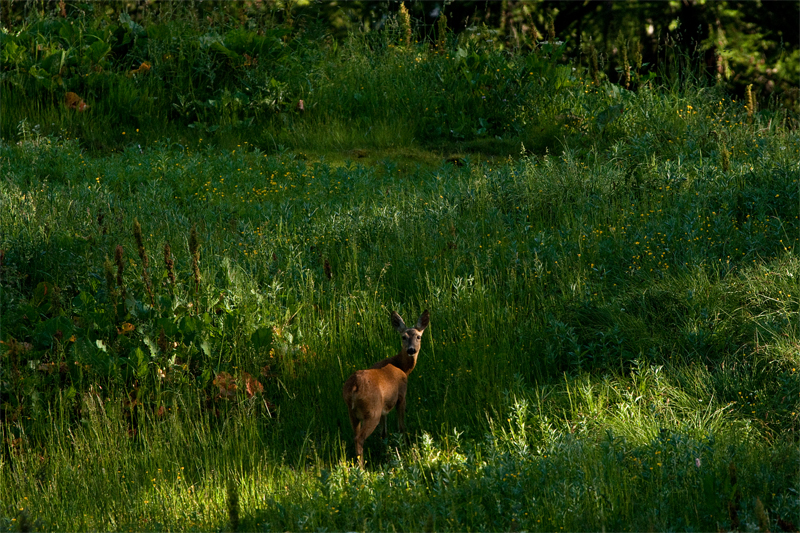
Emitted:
pixel 97 51
pixel 206 347
pixel 261 338
pixel 53 63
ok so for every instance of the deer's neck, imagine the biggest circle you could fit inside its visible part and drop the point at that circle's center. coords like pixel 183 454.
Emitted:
pixel 408 362
pixel 402 360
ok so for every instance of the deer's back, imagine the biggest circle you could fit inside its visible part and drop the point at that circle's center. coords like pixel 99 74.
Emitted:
pixel 405 365
pixel 367 391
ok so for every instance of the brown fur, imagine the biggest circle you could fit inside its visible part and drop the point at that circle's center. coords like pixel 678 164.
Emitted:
pixel 371 394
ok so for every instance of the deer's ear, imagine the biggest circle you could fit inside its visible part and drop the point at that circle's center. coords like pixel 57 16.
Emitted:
pixel 423 321
pixel 397 322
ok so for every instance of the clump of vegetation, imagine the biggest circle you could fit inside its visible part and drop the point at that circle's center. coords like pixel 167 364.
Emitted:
pixel 273 78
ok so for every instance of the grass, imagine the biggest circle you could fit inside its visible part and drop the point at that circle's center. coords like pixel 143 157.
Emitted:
pixel 612 285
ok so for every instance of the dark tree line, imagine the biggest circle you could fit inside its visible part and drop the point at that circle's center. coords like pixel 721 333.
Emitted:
pixel 738 42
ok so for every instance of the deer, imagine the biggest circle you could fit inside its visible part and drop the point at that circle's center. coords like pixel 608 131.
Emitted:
pixel 372 393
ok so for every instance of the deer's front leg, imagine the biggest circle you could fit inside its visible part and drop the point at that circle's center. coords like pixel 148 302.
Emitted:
pixel 401 412
pixel 384 431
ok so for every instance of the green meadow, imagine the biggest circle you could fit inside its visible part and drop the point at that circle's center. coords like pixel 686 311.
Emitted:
pixel 193 265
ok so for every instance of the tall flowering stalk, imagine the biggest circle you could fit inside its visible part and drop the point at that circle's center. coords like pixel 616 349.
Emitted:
pixel 441 37
pixel 170 264
pixel 137 234
pixel 594 66
pixel 637 58
pixel 405 24
pixel 751 103
pixel 108 270
pixel 194 250
pixel 726 158
pixel 625 66
pixel 118 252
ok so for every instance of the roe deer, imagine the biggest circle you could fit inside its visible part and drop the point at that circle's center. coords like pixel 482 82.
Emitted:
pixel 370 394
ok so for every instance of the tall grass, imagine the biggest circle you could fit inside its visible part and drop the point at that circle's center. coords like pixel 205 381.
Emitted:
pixel 229 84
pixel 614 310
pixel 603 462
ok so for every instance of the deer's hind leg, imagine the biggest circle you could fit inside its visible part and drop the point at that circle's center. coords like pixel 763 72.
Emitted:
pixel 365 429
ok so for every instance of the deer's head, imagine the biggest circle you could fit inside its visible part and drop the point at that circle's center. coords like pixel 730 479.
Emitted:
pixel 410 337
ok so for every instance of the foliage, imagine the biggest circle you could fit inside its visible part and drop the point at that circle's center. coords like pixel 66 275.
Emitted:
pixel 171 72
pixel 614 309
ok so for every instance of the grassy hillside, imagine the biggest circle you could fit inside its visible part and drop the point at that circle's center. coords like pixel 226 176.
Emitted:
pixel 611 274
